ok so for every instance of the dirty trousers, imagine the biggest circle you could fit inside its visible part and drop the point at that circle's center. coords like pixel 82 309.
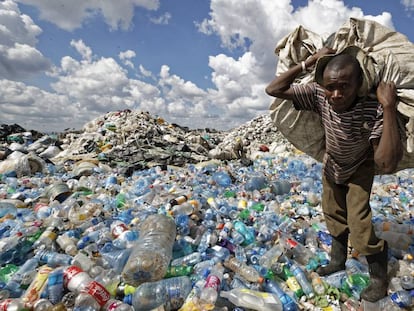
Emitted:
pixel 346 209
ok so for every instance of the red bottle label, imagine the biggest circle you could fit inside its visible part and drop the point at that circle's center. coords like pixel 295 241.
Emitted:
pixel 98 292
pixel 213 281
pixel 69 273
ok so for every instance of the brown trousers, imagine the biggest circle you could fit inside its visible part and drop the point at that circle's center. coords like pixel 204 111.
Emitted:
pixel 346 209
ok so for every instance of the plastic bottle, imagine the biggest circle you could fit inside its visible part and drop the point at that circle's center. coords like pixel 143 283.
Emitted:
pixel 152 252
pixel 92 297
pixel 302 279
pixel 37 286
pixel 47 238
pixel 55 287
pixel 117 259
pixel 251 299
pixel 151 295
pixel 180 199
pixel 212 286
pixel 13 304
pixel 288 303
pixel 54 259
pixel 248 235
pixel 301 254
pixel 393 302
pixel 190 259
pixel 28 268
pixel 247 272
pixel 284 272
pixel 354 284
pixel 317 284
pixel 271 256
pixel 75 279
pixel 116 305
pixel 67 244
pixel 222 178
pixel 407 282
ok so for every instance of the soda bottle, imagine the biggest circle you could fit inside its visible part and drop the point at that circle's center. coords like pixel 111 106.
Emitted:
pixel 92 297
pixel 317 284
pixel 152 251
pixel 252 299
pixel 169 292
pixel 75 279
pixel 13 304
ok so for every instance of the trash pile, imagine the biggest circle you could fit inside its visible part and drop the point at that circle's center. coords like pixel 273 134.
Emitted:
pixel 134 213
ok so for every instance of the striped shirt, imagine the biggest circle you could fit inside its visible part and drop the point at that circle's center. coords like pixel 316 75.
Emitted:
pixel 347 134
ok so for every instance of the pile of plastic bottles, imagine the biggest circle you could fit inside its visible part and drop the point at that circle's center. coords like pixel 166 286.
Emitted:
pixel 213 236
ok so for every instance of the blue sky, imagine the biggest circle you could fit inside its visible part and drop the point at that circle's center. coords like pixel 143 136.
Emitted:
pixel 196 63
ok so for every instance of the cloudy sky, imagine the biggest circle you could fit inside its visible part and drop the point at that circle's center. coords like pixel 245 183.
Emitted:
pixel 197 63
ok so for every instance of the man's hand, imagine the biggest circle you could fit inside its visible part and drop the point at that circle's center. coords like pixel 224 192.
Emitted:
pixel 387 94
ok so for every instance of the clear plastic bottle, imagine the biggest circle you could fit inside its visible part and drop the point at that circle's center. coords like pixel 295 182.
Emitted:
pixel 75 279
pixel 169 292
pixel 301 277
pixel 395 301
pixel 116 305
pixel 152 252
pixel 212 286
pixel 13 304
pixel 117 259
pixel 92 297
pixel 271 256
pixel 55 287
pixel 67 244
pixel 247 272
pixel 47 237
pixel 317 284
pixel 54 259
pixel 287 302
pixel 251 299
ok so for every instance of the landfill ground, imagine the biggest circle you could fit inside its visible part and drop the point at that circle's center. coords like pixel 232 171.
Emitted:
pixel 61 195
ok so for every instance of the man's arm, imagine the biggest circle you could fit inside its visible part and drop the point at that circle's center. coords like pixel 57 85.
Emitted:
pixel 388 151
pixel 281 85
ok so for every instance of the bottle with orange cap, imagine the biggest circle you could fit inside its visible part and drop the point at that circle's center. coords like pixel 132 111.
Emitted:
pixel 244 270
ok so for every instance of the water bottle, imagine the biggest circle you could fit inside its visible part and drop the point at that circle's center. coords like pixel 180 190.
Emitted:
pixel 302 279
pixel 247 272
pixel 212 286
pixel 47 238
pixel 222 179
pixel 75 279
pixel 169 292
pixel 190 259
pixel 317 284
pixel 271 256
pixel 54 259
pixel 288 303
pixel 67 244
pixel 251 299
pixel 241 228
pixel 393 302
pixel 152 251
pixel 55 287
pixel 335 279
pixel 117 259
pixel 28 268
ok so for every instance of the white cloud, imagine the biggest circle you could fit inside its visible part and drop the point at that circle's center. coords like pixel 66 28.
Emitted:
pixel 126 56
pixel 408 4
pixel 19 57
pixel 71 15
pixel 162 20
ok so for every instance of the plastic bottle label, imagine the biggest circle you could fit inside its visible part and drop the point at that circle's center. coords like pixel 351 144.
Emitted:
pixel 70 272
pixel 293 284
pixel 213 281
pixel 98 291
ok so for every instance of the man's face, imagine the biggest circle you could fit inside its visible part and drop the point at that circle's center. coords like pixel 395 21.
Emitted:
pixel 341 87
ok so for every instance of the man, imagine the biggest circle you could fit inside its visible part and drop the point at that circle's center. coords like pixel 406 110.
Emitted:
pixel 360 133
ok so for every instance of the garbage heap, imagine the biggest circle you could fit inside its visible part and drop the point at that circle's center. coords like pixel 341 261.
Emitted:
pixel 133 213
